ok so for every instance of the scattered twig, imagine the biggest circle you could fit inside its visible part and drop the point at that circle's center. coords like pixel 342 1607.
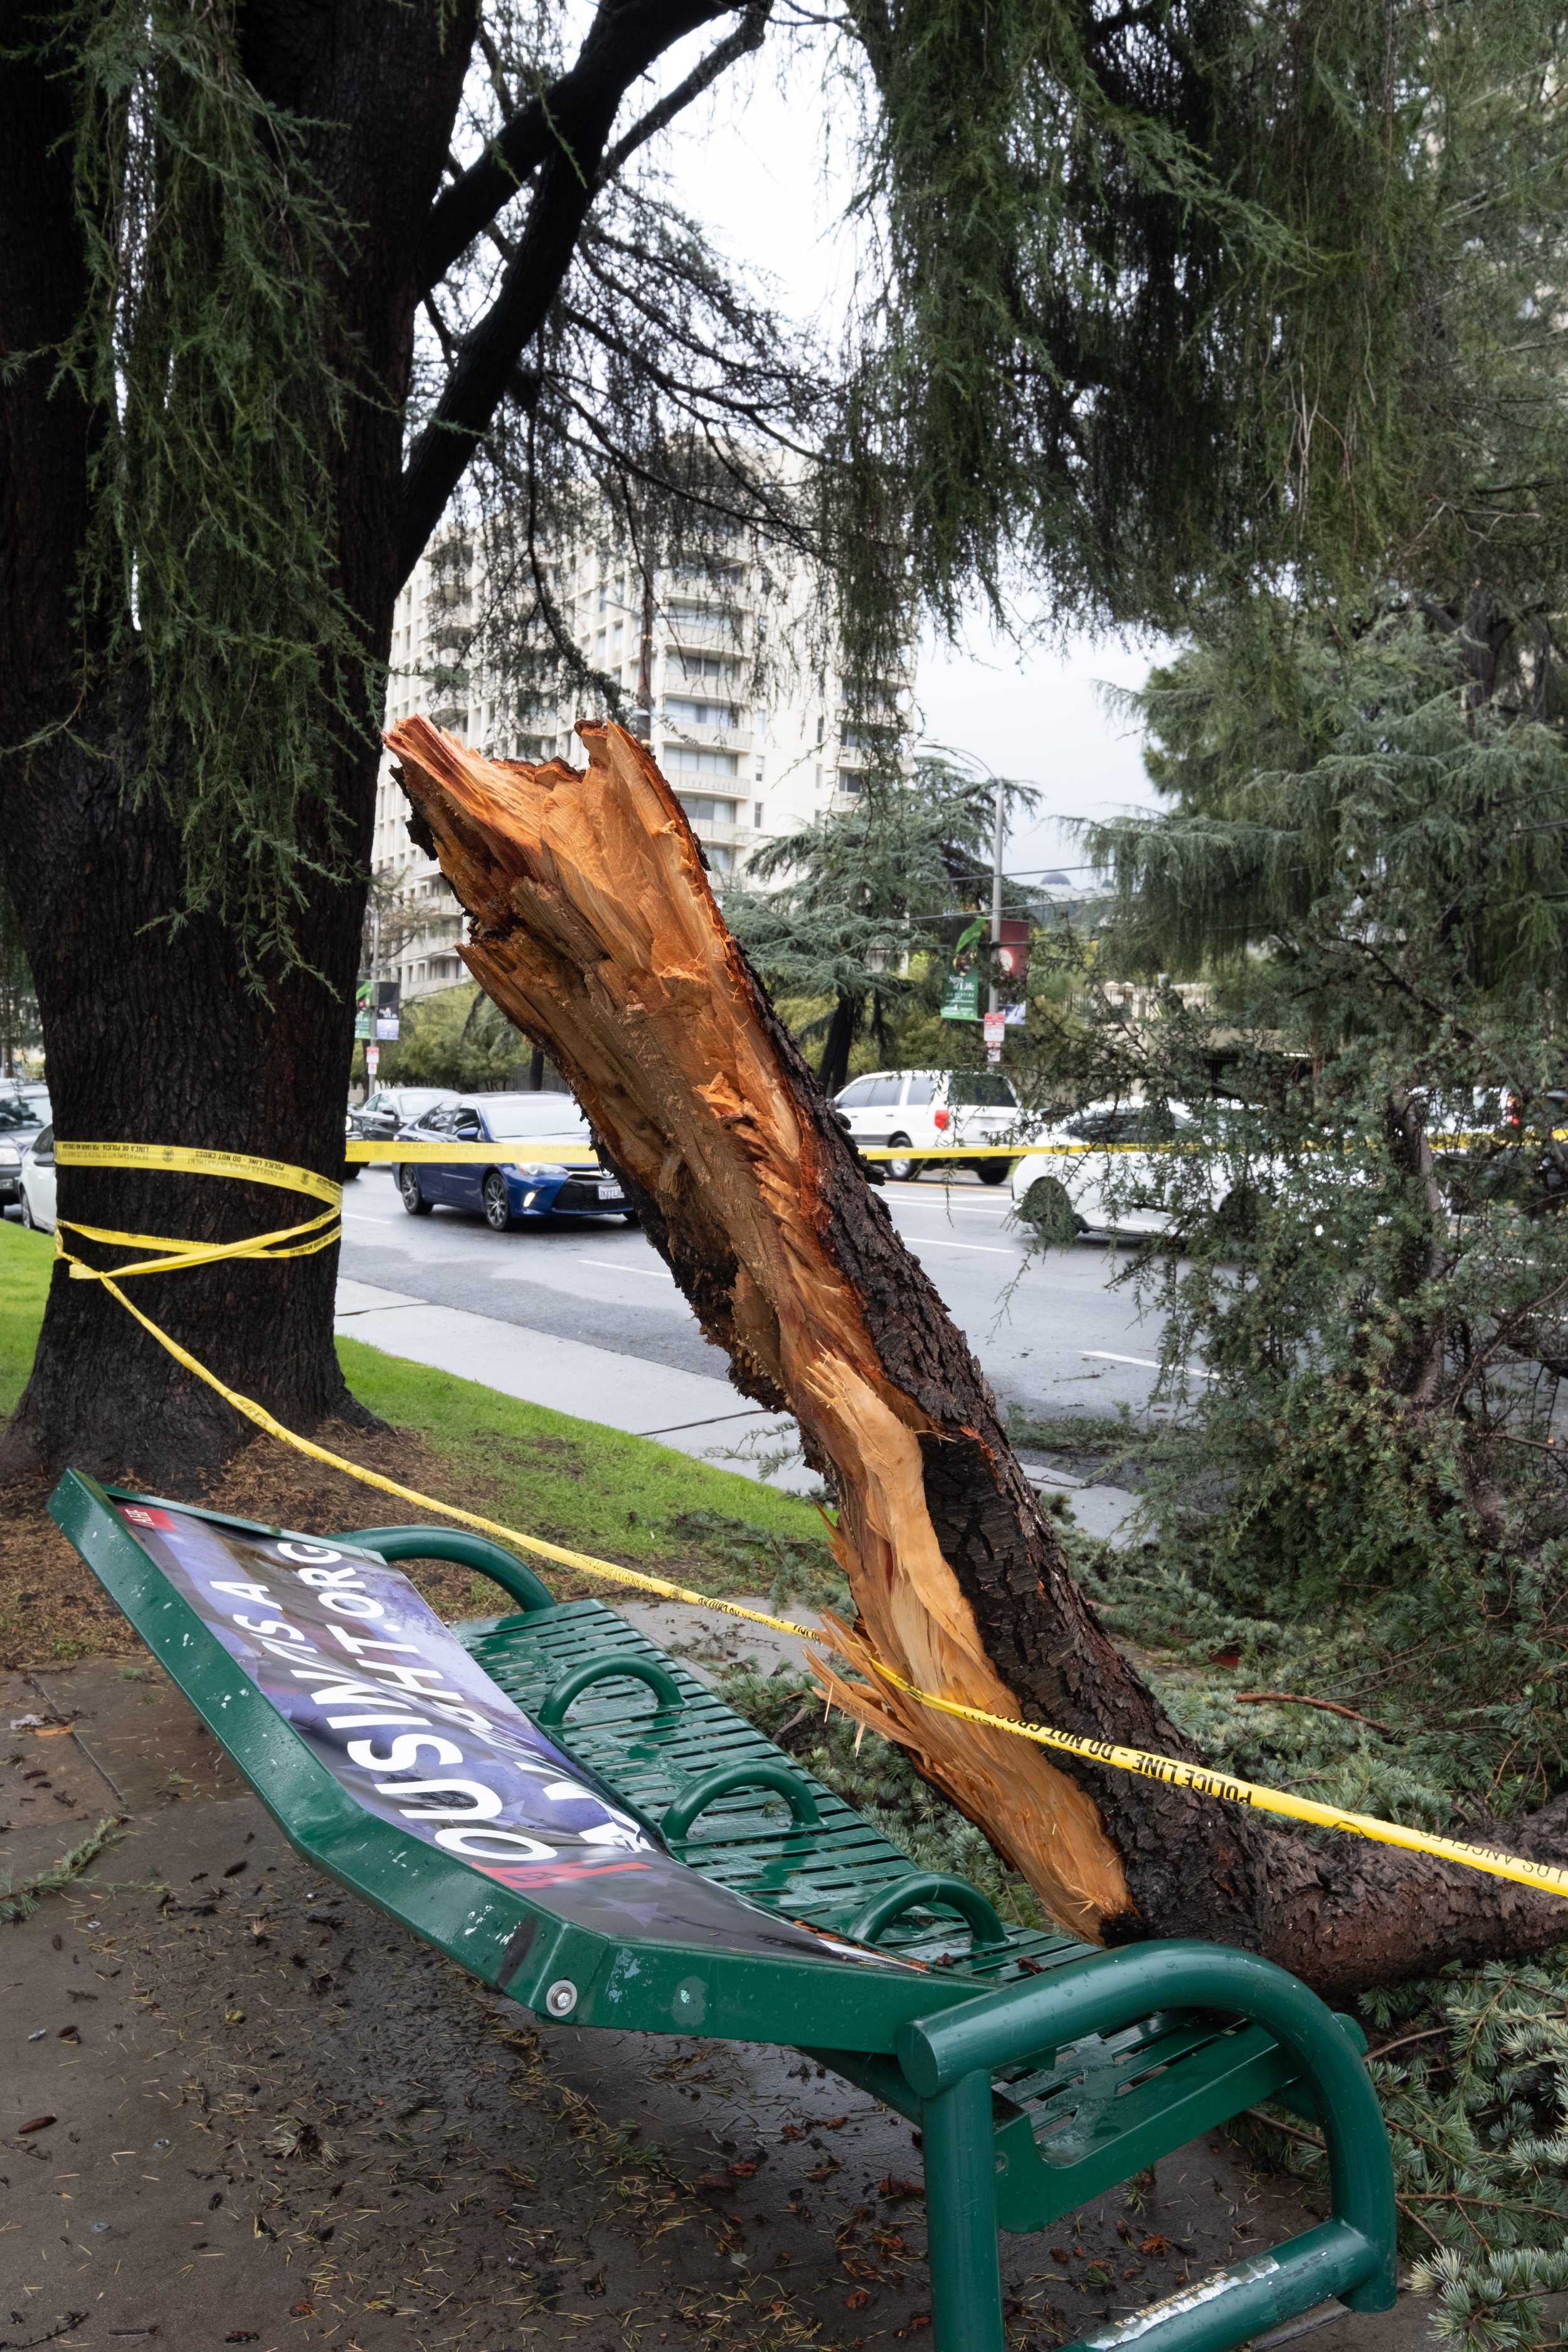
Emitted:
pixel 16 1902
pixel 1291 2131
pixel 1426 2034
pixel 1294 1699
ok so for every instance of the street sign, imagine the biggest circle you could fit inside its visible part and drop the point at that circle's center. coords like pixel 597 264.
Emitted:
pixel 996 1028
pixel 960 998
pixel 372 1061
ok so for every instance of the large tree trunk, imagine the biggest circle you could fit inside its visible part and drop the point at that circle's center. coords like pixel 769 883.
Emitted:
pixel 595 930
pixel 153 1034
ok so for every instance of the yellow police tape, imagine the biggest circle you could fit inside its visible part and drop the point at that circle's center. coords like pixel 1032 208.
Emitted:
pixel 361 1152
pixel 1546 1877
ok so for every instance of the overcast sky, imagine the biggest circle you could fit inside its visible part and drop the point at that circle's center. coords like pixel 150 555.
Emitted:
pixel 753 161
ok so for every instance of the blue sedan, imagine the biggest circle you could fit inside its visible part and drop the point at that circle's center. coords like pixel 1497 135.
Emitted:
pixel 524 1182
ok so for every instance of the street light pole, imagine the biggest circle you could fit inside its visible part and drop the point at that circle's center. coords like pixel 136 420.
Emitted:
pixel 996 1003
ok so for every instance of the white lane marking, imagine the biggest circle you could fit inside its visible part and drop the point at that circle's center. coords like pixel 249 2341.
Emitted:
pixel 958 1207
pixel 1101 1356
pixel 648 1272
pixel 710 1421
pixel 940 1240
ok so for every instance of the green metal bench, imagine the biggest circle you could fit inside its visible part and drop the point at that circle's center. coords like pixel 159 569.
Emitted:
pixel 627 1851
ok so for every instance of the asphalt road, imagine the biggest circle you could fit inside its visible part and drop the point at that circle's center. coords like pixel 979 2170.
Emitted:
pixel 1052 1346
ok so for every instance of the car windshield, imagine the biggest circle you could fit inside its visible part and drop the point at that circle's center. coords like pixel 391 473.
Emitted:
pixel 1138 1123
pixel 980 1090
pixel 23 1110
pixel 510 1116
pixel 414 1099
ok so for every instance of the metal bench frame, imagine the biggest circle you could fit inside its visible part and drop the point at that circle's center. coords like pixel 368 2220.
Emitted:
pixel 1039 2071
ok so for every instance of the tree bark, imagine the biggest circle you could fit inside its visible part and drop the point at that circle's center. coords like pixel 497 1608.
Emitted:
pixel 833 1068
pixel 596 931
pixel 153 1034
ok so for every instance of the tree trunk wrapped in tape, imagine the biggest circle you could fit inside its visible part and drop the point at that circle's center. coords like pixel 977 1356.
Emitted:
pixel 596 931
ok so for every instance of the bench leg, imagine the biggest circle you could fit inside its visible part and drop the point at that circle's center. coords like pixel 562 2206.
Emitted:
pixel 961 2217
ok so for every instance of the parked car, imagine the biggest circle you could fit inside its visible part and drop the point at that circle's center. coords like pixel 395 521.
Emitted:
pixel 38 1182
pixel 24 1109
pixel 925 1109
pixel 1132 1203
pixel 389 1109
pixel 1124 1186
pixel 523 1181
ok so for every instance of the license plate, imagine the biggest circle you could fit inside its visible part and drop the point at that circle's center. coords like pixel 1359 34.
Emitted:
pixel 611 1192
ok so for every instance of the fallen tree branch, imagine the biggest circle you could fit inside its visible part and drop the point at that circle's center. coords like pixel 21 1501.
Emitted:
pixel 596 933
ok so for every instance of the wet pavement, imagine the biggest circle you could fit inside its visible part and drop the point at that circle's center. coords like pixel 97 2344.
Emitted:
pixel 241 2107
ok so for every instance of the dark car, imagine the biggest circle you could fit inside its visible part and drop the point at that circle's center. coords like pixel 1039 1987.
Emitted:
pixel 524 1182
pixel 389 1109
pixel 24 1109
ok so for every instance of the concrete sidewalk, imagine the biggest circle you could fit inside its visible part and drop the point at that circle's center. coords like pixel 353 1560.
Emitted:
pixel 705 1418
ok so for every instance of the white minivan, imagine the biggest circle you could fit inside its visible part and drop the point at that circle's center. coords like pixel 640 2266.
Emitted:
pixel 927 1108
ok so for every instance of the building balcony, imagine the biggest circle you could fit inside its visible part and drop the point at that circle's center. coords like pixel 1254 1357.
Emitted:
pixel 705 738
pixel 729 836
pixel 723 633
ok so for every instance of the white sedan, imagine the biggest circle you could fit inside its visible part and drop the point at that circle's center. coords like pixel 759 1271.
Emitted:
pixel 38 1182
pixel 1120 1168
pixel 1099 1180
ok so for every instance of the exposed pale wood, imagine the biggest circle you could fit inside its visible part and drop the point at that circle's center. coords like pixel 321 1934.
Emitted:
pixel 594 929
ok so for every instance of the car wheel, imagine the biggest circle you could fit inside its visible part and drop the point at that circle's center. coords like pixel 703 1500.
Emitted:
pixel 994 1172
pixel 414 1200
pixel 498 1203
pixel 629 1217
pixel 903 1171
pixel 27 1212
pixel 1047 1207
pixel 352 1171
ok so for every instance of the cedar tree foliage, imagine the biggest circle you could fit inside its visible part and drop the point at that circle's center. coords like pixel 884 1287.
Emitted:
pixel 860 892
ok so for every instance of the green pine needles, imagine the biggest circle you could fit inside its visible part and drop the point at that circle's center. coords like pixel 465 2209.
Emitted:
pixel 210 568
pixel 1181 293
pixel 863 893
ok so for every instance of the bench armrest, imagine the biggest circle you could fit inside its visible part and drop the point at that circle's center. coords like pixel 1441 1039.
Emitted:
pixel 459 1544
pixel 1111 1990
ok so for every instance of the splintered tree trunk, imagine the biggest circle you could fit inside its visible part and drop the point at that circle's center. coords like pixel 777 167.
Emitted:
pixel 595 930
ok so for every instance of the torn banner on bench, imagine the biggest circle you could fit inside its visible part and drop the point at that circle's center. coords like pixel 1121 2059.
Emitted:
pixel 415 1732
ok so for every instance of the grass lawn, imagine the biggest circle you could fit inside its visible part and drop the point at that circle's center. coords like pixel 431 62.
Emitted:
pixel 574 1483
pixel 25 1262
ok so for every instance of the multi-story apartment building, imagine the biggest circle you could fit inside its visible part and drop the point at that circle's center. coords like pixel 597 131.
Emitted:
pixel 745 766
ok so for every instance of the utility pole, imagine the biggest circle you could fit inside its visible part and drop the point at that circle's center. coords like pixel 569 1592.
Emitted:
pixel 996 1003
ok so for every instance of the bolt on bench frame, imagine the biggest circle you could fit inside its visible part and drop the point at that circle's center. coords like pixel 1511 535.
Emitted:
pixel 1039 2070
